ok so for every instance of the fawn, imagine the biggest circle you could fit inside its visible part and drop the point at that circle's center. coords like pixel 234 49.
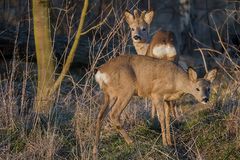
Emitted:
pixel 160 80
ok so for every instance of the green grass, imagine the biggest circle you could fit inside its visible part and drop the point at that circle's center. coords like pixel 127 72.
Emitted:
pixel 211 136
pixel 147 144
pixel 205 132
pixel 202 134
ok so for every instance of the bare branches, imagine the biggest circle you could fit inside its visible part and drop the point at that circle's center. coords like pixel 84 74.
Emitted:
pixel 73 49
pixel 98 25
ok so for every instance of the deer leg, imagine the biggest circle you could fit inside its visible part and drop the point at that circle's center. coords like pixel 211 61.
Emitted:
pixel 153 111
pixel 102 113
pixel 176 108
pixel 161 118
pixel 116 113
pixel 172 108
pixel 167 106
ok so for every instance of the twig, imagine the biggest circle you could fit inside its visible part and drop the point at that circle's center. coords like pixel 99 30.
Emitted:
pixel 72 51
pixel 163 153
pixel 98 25
pixel 204 61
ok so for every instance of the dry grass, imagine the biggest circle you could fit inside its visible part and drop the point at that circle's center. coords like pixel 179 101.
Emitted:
pixel 68 132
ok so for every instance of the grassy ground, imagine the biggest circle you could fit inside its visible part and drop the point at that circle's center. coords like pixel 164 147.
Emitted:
pixel 204 132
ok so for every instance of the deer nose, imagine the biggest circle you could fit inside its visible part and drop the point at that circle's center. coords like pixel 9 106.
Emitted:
pixel 205 99
pixel 137 37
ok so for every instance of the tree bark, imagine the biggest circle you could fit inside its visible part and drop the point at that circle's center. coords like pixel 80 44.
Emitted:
pixel 42 36
pixel 45 61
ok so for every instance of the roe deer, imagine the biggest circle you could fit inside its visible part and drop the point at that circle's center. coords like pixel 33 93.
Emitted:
pixel 160 80
pixel 139 29
pixel 161 46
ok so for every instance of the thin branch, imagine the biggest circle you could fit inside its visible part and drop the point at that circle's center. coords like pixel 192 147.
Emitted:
pixel 98 25
pixel 73 49
pixel 204 60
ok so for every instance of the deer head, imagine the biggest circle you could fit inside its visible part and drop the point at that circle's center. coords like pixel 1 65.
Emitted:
pixel 139 25
pixel 200 87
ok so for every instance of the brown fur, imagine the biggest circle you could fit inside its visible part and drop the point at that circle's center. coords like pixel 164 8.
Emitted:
pixel 139 26
pixel 143 47
pixel 162 81
pixel 165 38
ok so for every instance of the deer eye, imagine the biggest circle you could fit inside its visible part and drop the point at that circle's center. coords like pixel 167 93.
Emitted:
pixel 143 29
pixel 197 89
pixel 132 29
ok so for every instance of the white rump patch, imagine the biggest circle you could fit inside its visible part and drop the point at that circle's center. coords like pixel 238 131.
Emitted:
pixel 102 78
pixel 160 51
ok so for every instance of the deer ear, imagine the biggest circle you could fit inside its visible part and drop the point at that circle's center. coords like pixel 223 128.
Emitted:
pixel 149 17
pixel 129 17
pixel 192 74
pixel 210 76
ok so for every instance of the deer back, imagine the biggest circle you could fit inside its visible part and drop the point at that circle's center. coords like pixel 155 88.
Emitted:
pixel 162 46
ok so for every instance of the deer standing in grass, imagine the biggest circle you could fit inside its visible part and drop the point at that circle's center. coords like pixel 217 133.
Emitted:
pixel 160 80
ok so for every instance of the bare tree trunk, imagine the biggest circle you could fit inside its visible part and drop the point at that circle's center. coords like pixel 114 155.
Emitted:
pixel 44 55
pixel 46 81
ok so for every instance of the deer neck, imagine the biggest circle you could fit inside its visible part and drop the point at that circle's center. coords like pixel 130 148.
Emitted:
pixel 184 84
pixel 141 48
